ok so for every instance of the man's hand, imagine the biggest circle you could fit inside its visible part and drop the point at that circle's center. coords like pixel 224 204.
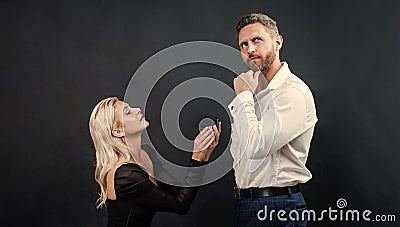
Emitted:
pixel 246 82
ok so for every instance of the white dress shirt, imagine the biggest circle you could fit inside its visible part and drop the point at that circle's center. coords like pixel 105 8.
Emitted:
pixel 272 132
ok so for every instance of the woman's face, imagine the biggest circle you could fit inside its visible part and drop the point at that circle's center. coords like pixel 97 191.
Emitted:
pixel 132 119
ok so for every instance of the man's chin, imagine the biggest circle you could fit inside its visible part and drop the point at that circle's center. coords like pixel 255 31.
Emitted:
pixel 253 65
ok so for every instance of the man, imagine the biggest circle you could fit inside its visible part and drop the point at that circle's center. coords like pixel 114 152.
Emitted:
pixel 274 117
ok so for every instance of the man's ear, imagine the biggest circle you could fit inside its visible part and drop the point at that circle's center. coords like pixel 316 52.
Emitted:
pixel 117 132
pixel 278 42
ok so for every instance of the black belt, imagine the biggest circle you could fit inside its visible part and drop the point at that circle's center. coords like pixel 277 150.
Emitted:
pixel 264 192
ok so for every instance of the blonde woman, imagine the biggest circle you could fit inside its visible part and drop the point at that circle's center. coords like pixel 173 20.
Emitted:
pixel 124 170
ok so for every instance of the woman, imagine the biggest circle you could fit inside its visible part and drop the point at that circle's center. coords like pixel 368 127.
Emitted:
pixel 124 170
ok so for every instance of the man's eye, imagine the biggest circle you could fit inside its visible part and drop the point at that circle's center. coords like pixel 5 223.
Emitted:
pixel 244 45
pixel 128 112
pixel 257 39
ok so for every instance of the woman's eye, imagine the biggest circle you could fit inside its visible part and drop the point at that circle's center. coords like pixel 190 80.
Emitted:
pixel 128 112
pixel 257 40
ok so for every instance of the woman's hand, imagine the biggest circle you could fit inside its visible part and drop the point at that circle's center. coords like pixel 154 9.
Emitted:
pixel 205 143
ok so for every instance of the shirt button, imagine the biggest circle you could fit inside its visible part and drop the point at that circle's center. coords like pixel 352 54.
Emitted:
pixel 231 107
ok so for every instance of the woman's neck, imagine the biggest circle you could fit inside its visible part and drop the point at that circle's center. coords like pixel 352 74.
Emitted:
pixel 134 143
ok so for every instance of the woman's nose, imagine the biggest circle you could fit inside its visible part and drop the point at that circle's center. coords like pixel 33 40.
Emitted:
pixel 136 110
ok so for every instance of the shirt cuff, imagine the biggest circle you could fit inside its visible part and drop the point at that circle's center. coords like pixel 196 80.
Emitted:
pixel 242 97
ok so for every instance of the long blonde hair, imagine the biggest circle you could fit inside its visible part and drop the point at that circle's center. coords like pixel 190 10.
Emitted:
pixel 108 147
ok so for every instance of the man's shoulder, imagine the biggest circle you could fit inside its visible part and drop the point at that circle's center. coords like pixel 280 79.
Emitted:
pixel 293 81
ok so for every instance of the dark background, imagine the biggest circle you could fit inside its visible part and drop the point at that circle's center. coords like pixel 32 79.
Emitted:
pixel 59 58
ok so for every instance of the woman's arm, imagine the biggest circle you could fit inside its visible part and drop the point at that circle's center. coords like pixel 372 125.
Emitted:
pixel 132 182
pixel 135 183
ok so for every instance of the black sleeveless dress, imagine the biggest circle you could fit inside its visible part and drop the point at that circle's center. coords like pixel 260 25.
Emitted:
pixel 138 199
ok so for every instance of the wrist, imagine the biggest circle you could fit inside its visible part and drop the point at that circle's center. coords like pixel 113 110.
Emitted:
pixel 199 157
pixel 242 90
pixel 195 163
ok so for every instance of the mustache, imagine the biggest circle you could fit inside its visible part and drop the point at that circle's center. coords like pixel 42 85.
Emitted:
pixel 253 55
pixel 250 63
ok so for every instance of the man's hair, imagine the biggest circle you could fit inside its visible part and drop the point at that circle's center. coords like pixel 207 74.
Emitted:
pixel 270 25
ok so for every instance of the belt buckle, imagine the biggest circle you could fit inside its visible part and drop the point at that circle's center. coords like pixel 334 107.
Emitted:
pixel 289 190
pixel 251 194
pixel 237 193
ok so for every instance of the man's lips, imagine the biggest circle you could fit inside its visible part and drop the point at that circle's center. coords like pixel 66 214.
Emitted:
pixel 254 57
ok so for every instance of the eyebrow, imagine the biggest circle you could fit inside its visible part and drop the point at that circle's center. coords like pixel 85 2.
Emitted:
pixel 126 107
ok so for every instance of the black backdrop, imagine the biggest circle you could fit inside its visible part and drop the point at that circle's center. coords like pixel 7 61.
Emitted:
pixel 59 58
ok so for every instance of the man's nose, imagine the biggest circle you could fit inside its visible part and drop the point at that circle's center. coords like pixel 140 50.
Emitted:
pixel 251 48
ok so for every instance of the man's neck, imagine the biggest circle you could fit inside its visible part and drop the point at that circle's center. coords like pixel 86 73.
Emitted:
pixel 269 74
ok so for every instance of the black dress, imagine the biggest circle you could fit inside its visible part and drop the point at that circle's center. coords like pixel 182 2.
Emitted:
pixel 138 199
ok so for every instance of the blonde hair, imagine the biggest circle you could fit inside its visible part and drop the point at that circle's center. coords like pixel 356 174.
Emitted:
pixel 108 147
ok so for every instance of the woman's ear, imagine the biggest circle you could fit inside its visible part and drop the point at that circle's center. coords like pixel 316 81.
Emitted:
pixel 117 132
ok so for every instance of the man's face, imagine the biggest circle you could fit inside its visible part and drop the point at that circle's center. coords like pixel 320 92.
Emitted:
pixel 257 46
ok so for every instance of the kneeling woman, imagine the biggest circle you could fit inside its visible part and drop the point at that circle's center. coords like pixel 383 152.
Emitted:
pixel 124 170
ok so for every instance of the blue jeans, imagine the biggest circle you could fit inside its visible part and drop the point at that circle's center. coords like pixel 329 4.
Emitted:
pixel 283 210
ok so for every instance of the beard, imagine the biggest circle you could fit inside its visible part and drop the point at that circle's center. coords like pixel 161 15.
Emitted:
pixel 264 66
pixel 266 62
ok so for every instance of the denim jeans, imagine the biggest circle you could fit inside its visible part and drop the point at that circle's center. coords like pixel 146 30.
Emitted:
pixel 283 211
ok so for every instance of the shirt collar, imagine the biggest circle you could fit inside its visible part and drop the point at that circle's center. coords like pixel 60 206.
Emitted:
pixel 280 77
